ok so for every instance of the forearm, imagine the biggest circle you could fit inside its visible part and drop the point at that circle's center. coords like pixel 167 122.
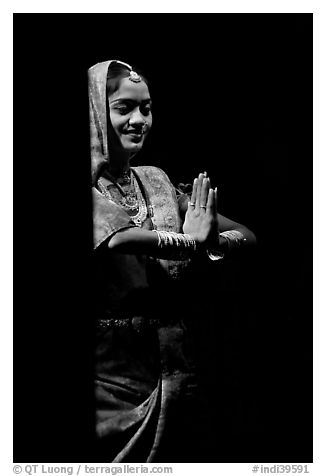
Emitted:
pixel 249 238
pixel 159 244
pixel 134 241
pixel 225 225
pixel 138 241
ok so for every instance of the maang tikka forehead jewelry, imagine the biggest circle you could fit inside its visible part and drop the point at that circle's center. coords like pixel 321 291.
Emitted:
pixel 134 77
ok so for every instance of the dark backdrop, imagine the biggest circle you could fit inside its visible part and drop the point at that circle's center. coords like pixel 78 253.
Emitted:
pixel 232 95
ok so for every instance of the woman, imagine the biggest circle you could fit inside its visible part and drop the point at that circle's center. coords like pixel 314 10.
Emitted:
pixel 146 392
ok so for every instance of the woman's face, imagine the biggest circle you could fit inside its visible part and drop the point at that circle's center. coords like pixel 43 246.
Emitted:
pixel 130 115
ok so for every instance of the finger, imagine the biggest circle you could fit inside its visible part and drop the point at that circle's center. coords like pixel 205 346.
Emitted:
pixel 215 202
pixel 210 201
pixel 193 193
pixel 208 188
pixel 190 207
pixel 216 212
pixel 198 191
pixel 204 194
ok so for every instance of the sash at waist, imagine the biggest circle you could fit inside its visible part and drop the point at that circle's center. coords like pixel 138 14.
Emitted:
pixel 137 323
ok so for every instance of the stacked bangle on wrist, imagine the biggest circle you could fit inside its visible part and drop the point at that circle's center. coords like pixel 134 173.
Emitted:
pixel 175 245
pixel 234 239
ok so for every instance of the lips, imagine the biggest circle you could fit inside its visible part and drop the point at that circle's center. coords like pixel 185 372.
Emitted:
pixel 135 136
pixel 135 133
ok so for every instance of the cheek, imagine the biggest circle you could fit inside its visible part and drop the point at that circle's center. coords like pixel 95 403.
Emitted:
pixel 149 121
pixel 118 122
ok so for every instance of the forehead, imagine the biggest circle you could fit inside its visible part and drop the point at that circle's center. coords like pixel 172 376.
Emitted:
pixel 132 91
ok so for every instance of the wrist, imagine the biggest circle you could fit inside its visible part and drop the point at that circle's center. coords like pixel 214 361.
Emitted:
pixel 199 243
pixel 222 244
pixel 172 245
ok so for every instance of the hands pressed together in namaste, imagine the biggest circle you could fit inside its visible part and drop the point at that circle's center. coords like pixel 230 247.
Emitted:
pixel 201 218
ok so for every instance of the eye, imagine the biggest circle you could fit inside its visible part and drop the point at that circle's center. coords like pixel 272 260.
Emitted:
pixel 122 109
pixel 146 109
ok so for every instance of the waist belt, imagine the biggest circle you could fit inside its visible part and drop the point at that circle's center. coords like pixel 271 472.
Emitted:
pixel 137 323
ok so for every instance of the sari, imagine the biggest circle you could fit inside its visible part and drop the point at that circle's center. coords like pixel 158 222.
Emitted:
pixel 145 383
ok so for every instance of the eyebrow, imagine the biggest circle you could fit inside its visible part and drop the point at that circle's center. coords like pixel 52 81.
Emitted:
pixel 128 100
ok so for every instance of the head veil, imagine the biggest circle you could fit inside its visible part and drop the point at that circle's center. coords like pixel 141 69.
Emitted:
pixel 98 114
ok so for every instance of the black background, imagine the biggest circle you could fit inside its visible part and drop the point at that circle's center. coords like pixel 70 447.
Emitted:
pixel 232 94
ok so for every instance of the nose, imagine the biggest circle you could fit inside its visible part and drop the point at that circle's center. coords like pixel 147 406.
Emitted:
pixel 136 118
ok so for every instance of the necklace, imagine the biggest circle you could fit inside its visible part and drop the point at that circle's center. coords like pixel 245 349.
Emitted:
pixel 131 199
pixel 124 179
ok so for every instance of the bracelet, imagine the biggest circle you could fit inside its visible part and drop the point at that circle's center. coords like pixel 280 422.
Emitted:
pixel 234 239
pixel 214 255
pixel 175 245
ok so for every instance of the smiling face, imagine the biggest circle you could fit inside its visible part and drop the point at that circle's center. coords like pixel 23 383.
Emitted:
pixel 130 116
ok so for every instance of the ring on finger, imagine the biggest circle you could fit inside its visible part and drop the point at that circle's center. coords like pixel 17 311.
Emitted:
pixel 203 206
pixel 192 204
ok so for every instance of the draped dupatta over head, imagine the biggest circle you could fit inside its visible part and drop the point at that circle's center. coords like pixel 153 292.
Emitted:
pixel 108 218
pixel 98 114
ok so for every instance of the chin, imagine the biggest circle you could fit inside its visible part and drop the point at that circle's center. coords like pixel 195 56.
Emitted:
pixel 133 148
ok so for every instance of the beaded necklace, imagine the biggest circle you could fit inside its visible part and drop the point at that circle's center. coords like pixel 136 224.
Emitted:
pixel 131 198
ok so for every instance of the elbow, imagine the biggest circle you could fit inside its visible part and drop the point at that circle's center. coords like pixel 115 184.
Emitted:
pixel 121 239
pixel 115 241
pixel 251 237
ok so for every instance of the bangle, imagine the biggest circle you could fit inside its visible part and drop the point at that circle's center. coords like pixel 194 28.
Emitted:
pixel 175 245
pixel 214 255
pixel 234 239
